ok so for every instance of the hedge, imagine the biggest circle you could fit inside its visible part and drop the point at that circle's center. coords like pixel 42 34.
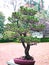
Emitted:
pixel 16 40
pixel 7 40
pixel 44 40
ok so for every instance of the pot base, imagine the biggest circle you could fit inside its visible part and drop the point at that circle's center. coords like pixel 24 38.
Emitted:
pixel 22 61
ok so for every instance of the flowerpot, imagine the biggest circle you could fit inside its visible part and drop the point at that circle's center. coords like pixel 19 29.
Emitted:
pixel 24 61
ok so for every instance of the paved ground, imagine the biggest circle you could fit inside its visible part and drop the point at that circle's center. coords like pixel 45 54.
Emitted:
pixel 40 52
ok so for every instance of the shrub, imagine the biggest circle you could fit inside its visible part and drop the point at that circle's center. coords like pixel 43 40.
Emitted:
pixel 44 39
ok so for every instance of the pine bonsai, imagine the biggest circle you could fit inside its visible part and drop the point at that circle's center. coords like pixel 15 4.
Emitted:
pixel 27 23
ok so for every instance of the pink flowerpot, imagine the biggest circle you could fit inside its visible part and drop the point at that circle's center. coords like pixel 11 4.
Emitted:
pixel 24 62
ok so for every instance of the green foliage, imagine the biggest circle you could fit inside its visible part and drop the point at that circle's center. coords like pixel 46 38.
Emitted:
pixel 2 19
pixel 11 27
pixel 39 27
pixel 22 30
pixel 31 39
pixel 5 40
pixel 27 11
pixel 44 39
pixel 29 19
pixel 17 40
pixel 21 23
pixel 1 36
pixel 9 35
pixel 14 18
pixel 10 19
pixel 16 15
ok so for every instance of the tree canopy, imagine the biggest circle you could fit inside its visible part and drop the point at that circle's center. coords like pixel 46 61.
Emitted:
pixel 2 19
pixel 26 21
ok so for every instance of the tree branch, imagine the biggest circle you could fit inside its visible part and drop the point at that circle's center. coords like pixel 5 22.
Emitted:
pixel 35 43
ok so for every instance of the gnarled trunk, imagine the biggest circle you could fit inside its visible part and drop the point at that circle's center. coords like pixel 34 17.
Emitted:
pixel 27 48
pixel 27 56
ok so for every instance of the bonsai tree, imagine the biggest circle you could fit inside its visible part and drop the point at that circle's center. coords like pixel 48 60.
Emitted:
pixel 27 23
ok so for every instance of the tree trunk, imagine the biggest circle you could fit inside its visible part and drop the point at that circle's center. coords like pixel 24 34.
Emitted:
pixel 27 48
pixel 27 56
